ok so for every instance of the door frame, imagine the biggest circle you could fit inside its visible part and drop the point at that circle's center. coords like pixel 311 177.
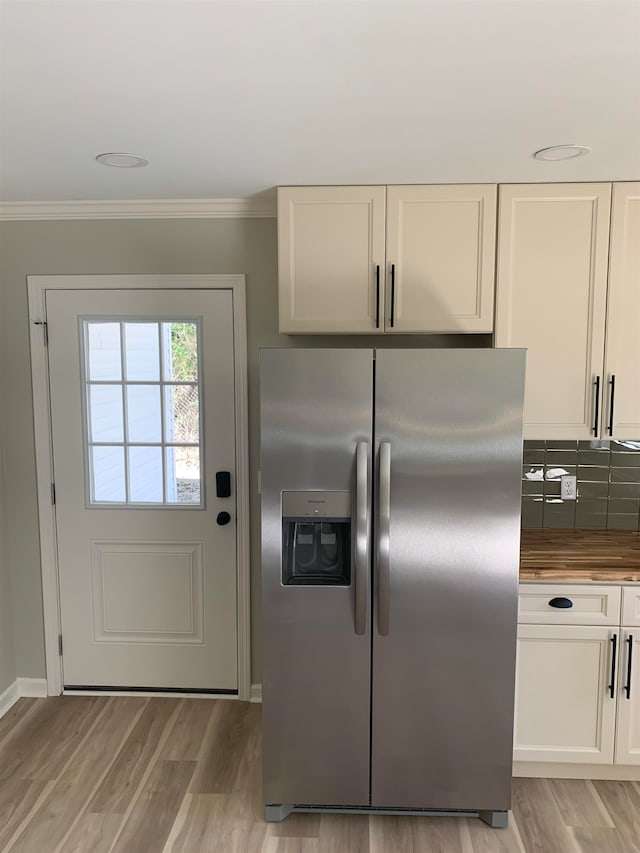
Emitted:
pixel 38 286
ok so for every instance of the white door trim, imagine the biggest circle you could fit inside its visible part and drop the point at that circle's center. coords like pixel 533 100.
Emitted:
pixel 37 287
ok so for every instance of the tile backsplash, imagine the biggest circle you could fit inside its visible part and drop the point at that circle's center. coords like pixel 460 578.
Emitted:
pixel 608 480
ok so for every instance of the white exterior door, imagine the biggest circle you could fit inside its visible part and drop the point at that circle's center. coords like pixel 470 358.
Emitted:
pixel 143 421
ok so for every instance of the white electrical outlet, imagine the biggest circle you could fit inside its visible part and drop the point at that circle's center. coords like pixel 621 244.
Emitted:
pixel 568 488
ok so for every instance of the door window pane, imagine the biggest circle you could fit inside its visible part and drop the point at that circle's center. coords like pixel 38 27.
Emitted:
pixel 144 420
pixel 180 352
pixel 183 475
pixel 103 343
pixel 108 474
pixel 145 475
pixel 182 414
pixel 142 351
pixel 105 413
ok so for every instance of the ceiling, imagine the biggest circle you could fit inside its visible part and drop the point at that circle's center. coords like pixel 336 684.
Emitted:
pixel 229 99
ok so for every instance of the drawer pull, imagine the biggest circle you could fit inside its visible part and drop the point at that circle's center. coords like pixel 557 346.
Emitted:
pixel 561 602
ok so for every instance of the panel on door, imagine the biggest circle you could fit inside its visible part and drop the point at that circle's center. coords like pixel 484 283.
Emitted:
pixel 564 707
pixel 622 353
pixel 331 244
pixel 441 243
pixel 628 728
pixel 316 408
pixel 551 295
pixel 449 422
pixel 143 417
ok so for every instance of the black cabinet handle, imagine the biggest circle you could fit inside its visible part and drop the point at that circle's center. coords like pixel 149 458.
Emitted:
pixel 612 685
pixel 627 687
pixel 223 518
pixel 612 382
pixel 562 603
pixel 377 296
pixel 223 484
pixel 597 413
pixel 393 293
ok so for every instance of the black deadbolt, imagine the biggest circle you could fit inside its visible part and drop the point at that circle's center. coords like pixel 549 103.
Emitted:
pixel 223 518
pixel 223 484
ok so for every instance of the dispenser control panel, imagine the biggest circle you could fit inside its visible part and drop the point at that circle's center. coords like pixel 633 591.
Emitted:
pixel 319 504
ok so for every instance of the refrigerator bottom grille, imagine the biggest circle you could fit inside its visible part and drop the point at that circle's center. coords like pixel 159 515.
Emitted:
pixel 279 811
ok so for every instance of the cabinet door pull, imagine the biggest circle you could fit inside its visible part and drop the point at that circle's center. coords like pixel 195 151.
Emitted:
pixel 597 407
pixel 561 602
pixel 377 296
pixel 627 687
pixel 612 382
pixel 612 685
pixel 393 293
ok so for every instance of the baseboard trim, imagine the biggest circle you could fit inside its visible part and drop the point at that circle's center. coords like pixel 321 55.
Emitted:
pixel 33 687
pixel 256 693
pixel 22 687
pixel 8 698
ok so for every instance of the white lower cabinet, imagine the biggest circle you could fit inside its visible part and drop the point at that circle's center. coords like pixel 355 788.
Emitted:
pixel 578 685
pixel 564 710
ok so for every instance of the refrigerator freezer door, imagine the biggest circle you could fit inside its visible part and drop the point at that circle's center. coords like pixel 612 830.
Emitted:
pixel 444 641
pixel 316 423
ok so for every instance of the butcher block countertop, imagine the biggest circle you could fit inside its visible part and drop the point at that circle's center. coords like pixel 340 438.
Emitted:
pixel 606 556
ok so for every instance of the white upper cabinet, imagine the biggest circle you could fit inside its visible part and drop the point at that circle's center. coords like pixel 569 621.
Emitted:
pixel 441 258
pixel 553 242
pixel 331 247
pixel 433 273
pixel 622 352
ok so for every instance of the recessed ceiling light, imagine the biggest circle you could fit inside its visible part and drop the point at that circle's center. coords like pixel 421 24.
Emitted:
pixel 121 160
pixel 561 152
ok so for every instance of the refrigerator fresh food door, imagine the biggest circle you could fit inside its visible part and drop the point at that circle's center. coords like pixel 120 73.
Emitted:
pixel 316 454
pixel 448 431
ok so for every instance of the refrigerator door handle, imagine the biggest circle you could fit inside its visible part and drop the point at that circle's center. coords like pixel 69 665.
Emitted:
pixel 383 538
pixel 362 535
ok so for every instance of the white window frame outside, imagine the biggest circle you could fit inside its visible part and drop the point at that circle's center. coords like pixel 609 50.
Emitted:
pixel 37 288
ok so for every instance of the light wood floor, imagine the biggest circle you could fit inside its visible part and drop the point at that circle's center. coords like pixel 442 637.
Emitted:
pixel 98 774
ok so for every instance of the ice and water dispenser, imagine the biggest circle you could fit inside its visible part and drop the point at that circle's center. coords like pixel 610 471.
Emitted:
pixel 316 538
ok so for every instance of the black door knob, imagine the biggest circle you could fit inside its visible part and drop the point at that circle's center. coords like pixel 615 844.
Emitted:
pixel 223 518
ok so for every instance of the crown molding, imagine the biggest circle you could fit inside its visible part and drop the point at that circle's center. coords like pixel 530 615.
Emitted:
pixel 163 208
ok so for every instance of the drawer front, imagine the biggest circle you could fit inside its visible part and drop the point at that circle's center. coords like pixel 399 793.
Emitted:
pixel 590 604
pixel 631 605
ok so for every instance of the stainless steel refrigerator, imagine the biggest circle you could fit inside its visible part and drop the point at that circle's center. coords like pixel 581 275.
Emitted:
pixel 390 489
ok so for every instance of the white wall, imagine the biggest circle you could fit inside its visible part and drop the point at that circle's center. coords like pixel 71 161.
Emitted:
pixel 111 247
pixel 7 650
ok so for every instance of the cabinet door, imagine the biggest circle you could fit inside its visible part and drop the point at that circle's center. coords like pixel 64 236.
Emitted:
pixel 622 354
pixel 628 731
pixel 631 605
pixel 551 298
pixel 331 259
pixel 440 258
pixel 564 711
